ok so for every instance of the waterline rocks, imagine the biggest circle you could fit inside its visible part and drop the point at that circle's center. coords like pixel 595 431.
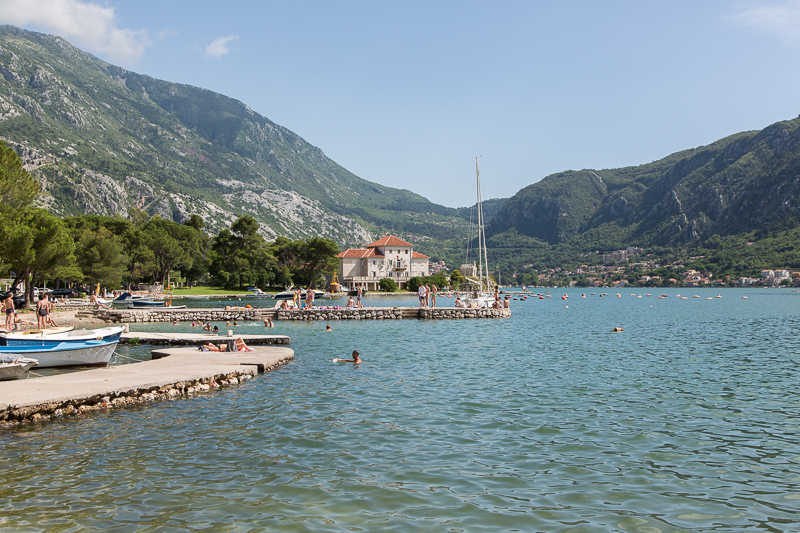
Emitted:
pixel 134 316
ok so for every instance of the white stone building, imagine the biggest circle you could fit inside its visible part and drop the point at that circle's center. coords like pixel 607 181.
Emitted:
pixel 388 257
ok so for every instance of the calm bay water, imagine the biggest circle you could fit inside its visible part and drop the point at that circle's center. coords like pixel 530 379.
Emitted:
pixel 688 420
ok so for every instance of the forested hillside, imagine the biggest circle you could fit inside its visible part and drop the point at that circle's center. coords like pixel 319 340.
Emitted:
pixel 742 187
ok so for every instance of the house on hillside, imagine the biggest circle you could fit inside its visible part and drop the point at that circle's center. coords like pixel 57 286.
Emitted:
pixel 388 257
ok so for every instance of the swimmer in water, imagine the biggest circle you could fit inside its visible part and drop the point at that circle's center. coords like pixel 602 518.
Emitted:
pixel 356 360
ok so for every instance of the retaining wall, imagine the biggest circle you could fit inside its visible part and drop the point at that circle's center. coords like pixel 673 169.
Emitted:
pixel 133 316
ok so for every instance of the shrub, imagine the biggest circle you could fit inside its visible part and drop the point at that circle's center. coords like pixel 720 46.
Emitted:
pixel 387 285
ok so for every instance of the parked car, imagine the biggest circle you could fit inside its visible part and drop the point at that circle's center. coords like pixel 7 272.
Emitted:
pixel 18 299
pixel 65 293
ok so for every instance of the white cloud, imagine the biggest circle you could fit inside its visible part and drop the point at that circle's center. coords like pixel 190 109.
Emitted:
pixel 85 24
pixel 775 18
pixel 219 47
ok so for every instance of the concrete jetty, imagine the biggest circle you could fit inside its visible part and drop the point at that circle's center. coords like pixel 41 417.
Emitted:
pixel 187 371
pixel 196 339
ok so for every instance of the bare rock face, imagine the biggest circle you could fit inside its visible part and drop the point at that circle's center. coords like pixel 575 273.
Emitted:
pixel 111 140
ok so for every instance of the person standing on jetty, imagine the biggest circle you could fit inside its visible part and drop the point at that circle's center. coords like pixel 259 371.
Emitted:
pixel 8 305
pixel 421 293
pixel 296 298
pixel 356 360
pixel 433 290
pixel 42 310
pixel 358 296
pixel 309 297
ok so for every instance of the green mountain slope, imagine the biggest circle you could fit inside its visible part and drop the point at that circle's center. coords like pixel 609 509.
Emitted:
pixel 745 182
pixel 103 140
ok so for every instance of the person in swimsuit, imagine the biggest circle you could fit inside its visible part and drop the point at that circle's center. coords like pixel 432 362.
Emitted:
pixel 8 305
pixel 433 290
pixel 358 296
pixel 42 310
pixel 309 297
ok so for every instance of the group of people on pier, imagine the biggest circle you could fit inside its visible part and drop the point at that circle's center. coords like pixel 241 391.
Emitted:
pixel 427 295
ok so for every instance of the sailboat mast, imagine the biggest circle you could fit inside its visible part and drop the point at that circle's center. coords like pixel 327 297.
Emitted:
pixel 480 226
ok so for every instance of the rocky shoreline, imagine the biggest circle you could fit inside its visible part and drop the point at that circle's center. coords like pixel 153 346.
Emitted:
pixel 14 416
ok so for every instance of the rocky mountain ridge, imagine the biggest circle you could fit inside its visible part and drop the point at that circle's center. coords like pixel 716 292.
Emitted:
pixel 102 139
pixel 744 182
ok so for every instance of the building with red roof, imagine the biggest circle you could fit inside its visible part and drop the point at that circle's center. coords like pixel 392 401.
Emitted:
pixel 388 257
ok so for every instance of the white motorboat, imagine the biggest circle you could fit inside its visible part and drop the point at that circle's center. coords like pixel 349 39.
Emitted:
pixel 46 337
pixel 16 368
pixel 257 293
pixel 288 294
pixel 86 353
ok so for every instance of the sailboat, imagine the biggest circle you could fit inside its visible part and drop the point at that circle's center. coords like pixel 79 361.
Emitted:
pixel 481 296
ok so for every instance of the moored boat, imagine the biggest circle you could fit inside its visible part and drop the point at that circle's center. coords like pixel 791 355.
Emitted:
pixel 257 293
pixel 288 294
pixel 481 295
pixel 47 337
pixel 85 353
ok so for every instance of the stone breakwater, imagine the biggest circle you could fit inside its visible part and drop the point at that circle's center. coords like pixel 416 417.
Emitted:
pixel 369 313
pixel 130 316
pixel 458 312
pixel 13 415
pixel 318 313
pixel 394 313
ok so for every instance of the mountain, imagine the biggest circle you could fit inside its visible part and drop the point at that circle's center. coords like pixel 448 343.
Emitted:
pixel 103 140
pixel 745 182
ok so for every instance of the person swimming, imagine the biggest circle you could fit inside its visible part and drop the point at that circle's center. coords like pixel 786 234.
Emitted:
pixel 356 360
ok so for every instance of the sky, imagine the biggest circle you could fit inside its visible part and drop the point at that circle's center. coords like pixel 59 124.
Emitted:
pixel 407 94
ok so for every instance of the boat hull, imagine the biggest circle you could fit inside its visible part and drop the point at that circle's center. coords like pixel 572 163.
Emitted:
pixel 89 353
pixel 110 334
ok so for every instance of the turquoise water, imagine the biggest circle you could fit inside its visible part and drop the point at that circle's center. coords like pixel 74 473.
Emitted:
pixel 688 420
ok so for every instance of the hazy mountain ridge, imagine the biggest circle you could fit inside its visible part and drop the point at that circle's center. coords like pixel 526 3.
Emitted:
pixel 738 184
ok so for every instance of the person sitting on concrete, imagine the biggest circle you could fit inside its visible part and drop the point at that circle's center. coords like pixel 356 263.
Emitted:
pixel 94 301
pixel 350 303
pixel 241 346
